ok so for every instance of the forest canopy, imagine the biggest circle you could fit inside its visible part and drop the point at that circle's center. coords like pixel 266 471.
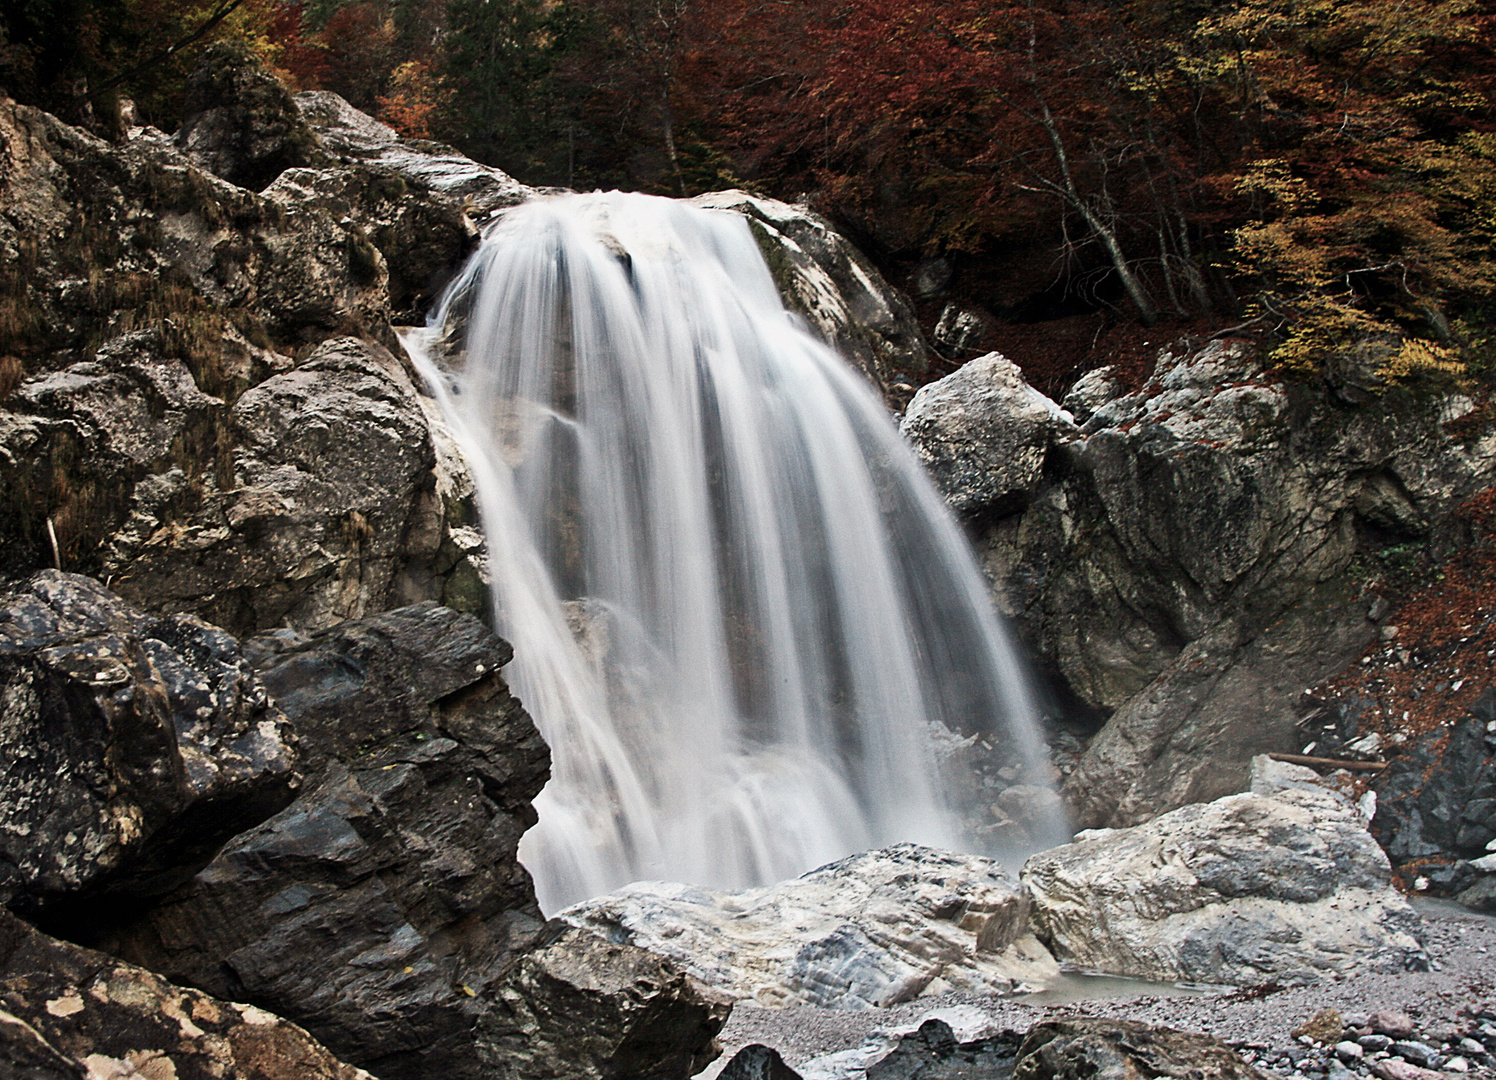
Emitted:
pixel 1321 170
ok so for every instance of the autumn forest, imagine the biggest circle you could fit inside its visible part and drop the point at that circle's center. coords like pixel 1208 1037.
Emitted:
pixel 1317 172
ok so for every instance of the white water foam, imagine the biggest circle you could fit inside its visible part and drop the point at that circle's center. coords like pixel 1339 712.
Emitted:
pixel 741 614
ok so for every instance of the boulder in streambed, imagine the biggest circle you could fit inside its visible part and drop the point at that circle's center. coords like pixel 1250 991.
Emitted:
pixel 1285 886
pixel 867 931
pixel 1092 1048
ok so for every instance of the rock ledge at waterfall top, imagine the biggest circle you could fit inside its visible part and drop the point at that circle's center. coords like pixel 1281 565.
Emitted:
pixel 870 930
pixel 1283 885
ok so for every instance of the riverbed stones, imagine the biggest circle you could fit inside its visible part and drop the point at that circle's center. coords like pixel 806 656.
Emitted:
pixel 1246 890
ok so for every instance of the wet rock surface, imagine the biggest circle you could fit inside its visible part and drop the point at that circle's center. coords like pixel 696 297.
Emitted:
pixel 867 931
pixel 1251 889
pixel 836 289
pixel 134 746
pixel 68 1012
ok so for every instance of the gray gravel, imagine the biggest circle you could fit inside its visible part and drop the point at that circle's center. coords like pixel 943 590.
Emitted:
pixel 1462 945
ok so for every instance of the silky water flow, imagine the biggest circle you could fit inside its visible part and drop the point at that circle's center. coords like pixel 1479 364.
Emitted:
pixel 745 623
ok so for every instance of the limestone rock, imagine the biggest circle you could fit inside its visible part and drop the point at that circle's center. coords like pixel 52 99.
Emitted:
pixel 240 122
pixel 983 434
pixel 138 433
pixel 581 1007
pixel 1187 565
pixel 383 907
pixel 67 1012
pixel 358 138
pixel 870 930
pixel 333 508
pixel 836 288
pixel 1088 1048
pixel 1246 890
pixel 135 746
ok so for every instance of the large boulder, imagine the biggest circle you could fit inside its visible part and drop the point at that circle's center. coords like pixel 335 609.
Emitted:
pixel 67 1013
pixel 383 904
pixel 580 1007
pixel 1193 555
pixel 1282 886
pixel 135 746
pixel 983 435
pixel 835 288
pixel 335 507
pixel 240 122
pixel 867 931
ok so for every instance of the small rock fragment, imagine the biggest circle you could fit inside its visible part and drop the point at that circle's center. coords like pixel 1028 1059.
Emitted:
pixel 1399 1025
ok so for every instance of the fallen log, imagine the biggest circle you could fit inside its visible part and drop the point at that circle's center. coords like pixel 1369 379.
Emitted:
pixel 1330 763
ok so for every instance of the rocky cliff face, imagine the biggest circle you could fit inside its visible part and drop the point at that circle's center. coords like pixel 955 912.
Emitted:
pixel 1185 559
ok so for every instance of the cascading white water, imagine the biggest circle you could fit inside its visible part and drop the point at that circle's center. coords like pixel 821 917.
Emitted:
pixel 741 614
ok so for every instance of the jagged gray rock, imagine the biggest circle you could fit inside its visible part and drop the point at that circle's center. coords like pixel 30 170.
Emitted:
pixel 135 746
pixel 1286 887
pixel 67 1013
pixel 581 1007
pixel 866 931
pixel 835 287
pixel 383 905
pixel 1187 564
pixel 983 434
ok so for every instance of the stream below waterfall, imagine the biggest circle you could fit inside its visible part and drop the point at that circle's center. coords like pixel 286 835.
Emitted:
pixel 749 629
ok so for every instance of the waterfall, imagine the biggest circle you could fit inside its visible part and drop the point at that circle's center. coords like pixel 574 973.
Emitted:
pixel 747 626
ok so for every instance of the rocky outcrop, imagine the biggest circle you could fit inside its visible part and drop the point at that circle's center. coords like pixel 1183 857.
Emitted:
pixel 836 289
pixel 385 909
pixel 867 931
pixel 1283 887
pixel 389 889
pixel 241 123
pixel 335 506
pixel 983 435
pixel 156 315
pixel 134 747
pixel 68 1013
pixel 1436 803
pixel 1187 562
